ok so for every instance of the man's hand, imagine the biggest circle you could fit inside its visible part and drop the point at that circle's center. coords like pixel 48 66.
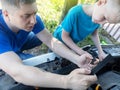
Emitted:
pixel 79 79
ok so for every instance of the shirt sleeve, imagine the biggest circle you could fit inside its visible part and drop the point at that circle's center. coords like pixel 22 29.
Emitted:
pixel 4 44
pixel 69 20
pixel 39 26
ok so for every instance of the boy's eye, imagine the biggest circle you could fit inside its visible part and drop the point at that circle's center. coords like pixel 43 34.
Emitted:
pixel 103 18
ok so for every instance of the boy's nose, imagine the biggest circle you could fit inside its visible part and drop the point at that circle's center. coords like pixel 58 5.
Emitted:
pixel 99 21
pixel 95 20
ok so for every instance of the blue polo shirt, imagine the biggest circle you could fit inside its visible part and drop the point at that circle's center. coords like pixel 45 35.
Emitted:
pixel 10 41
pixel 77 23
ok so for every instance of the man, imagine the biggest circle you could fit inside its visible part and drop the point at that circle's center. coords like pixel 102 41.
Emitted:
pixel 18 24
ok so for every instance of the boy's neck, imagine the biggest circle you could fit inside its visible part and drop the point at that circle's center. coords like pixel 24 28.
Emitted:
pixel 88 9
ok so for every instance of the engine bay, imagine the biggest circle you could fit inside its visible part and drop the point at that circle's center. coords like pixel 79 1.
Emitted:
pixel 108 75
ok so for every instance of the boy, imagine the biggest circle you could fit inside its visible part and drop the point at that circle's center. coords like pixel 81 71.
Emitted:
pixel 83 20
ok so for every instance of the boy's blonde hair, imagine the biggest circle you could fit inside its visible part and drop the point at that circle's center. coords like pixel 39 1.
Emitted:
pixel 115 6
pixel 115 3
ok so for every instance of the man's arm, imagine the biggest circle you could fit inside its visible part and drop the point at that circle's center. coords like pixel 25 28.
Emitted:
pixel 28 75
pixel 59 48
pixel 33 76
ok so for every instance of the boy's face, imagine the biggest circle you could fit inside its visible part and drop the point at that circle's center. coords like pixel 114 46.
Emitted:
pixel 103 13
pixel 24 17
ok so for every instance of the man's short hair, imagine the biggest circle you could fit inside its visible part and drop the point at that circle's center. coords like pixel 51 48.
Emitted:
pixel 6 4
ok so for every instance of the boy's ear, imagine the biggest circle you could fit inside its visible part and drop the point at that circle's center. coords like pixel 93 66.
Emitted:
pixel 101 2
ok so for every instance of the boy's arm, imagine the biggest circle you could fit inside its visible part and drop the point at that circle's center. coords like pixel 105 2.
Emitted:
pixel 96 40
pixel 69 42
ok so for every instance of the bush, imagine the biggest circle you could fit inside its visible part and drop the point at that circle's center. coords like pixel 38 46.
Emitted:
pixel 50 12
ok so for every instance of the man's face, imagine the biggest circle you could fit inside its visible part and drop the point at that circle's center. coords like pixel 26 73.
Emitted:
pixel 25 17
pixel 102 14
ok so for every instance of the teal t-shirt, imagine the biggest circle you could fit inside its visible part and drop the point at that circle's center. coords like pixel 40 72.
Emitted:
pixel 77 23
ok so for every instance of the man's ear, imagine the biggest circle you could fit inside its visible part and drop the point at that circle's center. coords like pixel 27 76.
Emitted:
pixel 5 12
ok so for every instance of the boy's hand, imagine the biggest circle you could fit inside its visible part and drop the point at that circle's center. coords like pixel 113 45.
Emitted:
pixel 89 56
pixel 84 61
pixel 94 62
pixel 102 56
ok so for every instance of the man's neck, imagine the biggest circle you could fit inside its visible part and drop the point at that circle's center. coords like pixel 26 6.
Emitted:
pixel 11 27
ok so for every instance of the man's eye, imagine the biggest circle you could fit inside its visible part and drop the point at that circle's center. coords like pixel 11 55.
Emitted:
pixel 27 16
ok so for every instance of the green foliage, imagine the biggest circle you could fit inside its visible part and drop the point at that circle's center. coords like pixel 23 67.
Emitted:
pixel 50 12
pixel 87 1
pixel 58 4
pixel 51 25
pixel 86 41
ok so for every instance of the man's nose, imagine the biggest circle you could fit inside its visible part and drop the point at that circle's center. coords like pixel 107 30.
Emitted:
pixel 33 19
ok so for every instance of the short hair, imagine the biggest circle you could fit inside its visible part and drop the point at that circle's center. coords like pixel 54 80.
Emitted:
pixel 6 4
pixel 115 4
pixel 112 2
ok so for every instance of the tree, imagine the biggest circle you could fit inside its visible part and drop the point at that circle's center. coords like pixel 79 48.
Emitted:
pixel 67 5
